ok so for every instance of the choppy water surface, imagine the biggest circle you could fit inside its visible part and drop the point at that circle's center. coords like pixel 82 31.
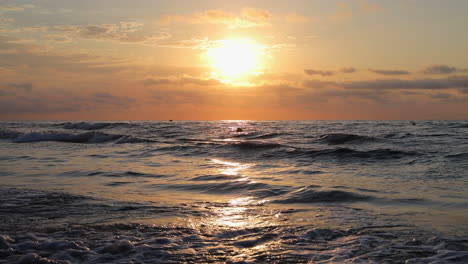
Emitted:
pixel 234 191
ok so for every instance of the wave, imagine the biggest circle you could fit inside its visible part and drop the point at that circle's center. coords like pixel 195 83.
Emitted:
pixel 257 189
pixel 372 154
pixel 127 174
pixel 399 135
pixel 458 156
pixel 215 177
pixel 310 194
pixel 88 137
pixel 8 134
pixel 90 126
pixel 257 135
pixel 268 136
pixel 255 145
pixel 339 138
pixel 130 139
pixel 460 126
pixel 341 153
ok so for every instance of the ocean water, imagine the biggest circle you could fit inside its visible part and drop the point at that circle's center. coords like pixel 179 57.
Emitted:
pixel 234 192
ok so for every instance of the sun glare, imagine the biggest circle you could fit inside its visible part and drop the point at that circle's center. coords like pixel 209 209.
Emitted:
pixel 235 59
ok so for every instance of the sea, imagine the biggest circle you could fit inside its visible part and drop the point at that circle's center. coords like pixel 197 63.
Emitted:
pixel 234 191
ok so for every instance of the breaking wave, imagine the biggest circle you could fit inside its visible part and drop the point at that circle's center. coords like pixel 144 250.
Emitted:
pixel 91 126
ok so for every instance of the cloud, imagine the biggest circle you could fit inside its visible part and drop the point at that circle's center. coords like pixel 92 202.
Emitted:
pixel 22 86
pixel 126 31
pixel 441 69
pixel 59 102
pixel 258 16
pixel 155 82
pixel 28 58
pixel 318 72
pixel 329 73
pixel 317 84
pixel 248 17
pixel 105 98
pixel 436 84
pixel 441 96
pixel 348 70
pixel 14 8
pixel 193 43
pixel 390 72
pixel 368 95
pixel 180 81
pixel 453 82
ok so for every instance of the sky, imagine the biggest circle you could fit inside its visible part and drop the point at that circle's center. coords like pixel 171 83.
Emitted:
pixel 218 60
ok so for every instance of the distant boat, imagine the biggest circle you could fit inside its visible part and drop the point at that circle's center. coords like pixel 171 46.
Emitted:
pixel 239 129
pixel 413 123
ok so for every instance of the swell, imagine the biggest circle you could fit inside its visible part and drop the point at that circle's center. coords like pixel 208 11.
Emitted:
pixel 341 138
pixel 257 189
pixel 87 137
pixel 91 125
pixel 200 146
pixel 257 135
pixel 373 154
pixel 342 153
pixel 255 145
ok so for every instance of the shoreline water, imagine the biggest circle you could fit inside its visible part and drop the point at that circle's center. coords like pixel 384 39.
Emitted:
pixel 65 228
pixel 160 192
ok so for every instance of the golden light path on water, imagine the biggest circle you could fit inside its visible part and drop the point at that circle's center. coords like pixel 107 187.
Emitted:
pixel 237 212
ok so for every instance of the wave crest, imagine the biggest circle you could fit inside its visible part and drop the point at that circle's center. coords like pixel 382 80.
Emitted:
pixel 89 125
pixel 311 195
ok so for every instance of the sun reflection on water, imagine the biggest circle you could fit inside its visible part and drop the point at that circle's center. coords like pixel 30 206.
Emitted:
pixel 240 212
pixel 230 168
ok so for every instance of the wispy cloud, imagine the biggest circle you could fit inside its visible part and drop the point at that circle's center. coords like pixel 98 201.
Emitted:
pixel 442 69
pixel 348 70
pixel 318 72
pixel 180 81
pixel 324 73
pixel 61 102
pixel 390 72
pixel 248 17
pixel 14 8
pixel 26 86
pixel 126 31
pixel 453 82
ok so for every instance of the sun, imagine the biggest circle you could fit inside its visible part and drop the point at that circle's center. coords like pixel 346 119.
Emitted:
pixel 235 59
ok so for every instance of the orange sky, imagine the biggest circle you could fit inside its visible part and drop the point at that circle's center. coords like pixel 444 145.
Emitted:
pixel 209 60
